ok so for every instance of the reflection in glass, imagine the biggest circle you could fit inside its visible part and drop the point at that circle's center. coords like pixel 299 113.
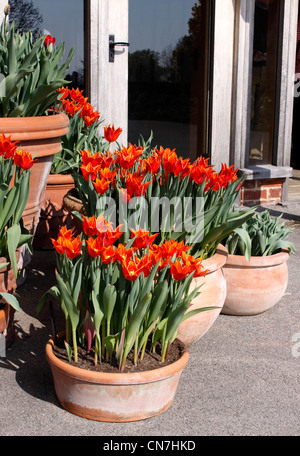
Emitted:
pixel 265 57
pixel 168 73
pixel 62 19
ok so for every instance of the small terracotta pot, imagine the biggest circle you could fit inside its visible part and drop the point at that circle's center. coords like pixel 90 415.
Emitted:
pixel 53 214
pixel 118 397
pixel 212 294
pixel 72 203
pixel 254 286
pixel 7 285
pixel 41 136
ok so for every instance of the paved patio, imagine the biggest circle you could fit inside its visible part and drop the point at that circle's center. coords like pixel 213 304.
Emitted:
pixel 242 379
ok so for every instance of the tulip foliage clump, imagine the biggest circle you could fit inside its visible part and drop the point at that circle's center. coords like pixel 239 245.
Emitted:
pixel 84 123
pixel 15 165
pixel 31 71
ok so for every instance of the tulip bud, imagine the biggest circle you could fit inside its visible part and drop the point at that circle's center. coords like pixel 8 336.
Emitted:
pixel 6 10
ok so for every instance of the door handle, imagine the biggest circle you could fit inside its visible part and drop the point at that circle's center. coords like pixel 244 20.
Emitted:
pixel 111 47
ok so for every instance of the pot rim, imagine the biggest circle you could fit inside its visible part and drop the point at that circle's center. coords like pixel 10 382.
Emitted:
pixel 34 123
pixel 217 261
pixel 39 127
pixel 54 179
pixel 117 378
pixel 259 261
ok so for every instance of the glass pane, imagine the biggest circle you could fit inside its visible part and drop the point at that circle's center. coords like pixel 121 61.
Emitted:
pixel 62 19
pixel 264 80
pixel 168 73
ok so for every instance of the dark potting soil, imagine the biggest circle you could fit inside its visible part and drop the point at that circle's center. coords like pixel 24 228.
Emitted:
pixel 151 360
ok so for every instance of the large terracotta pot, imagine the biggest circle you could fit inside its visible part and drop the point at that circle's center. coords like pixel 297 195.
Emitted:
pixel 212 294
pixel 7 285
pixel 53 214
pixel 117 397
pixel 254 286
pixel 41 136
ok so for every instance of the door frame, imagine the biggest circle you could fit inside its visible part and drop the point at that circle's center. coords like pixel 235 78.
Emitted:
pixel 107 82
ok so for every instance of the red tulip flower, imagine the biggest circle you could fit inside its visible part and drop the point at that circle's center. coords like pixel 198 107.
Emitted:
pixel 49 42
pixel 23 159
pixel 111 134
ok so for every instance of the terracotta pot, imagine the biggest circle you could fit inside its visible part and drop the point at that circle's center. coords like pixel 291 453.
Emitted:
pixel 256 286
pixel 212 294
pixel 117 397
pixel 72 203
pixel 7 285
pixel 41 136
pixel 53 214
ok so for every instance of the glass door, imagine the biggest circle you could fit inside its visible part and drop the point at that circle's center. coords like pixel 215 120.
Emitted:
pixel 169 74
pixel 62 19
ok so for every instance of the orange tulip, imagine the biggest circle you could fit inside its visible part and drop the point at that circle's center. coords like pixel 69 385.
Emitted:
pixel 101 185
pixel 152 163
pixel 111 134
pixel 102 225
pixel 76 96
pixel 182 167
pixel 127 156
pixel 195 264
pixel 89 120
pixel 89 171
pixel 64 92
pixel 143 238
pixel 178 271
pixel 133 268
pixel 65 243
pixel 108 254
pixel 7 147
pixel 228 175
pixel 89 226
pixel 110 237
pixel 169 160
pixel 23 159
pixel 87 157
pixel 122 254
pixel 94 246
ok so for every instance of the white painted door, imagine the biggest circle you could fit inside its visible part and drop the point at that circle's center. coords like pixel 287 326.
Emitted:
pixel 108 80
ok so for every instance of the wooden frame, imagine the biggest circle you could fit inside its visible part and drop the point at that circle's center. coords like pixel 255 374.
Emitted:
pixel 107 82
pixel 241 103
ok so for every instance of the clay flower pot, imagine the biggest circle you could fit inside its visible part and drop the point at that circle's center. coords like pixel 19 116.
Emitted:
pixel 256 286
pixel 117 397
pixel 53 214
pixel 71 203
pixel 7 285
pixel 41 136
pixel 212 294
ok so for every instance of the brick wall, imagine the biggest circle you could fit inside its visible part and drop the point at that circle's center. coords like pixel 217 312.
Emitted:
pixel 261 191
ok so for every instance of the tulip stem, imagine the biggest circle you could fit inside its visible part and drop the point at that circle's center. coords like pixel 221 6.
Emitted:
pixel 75 346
